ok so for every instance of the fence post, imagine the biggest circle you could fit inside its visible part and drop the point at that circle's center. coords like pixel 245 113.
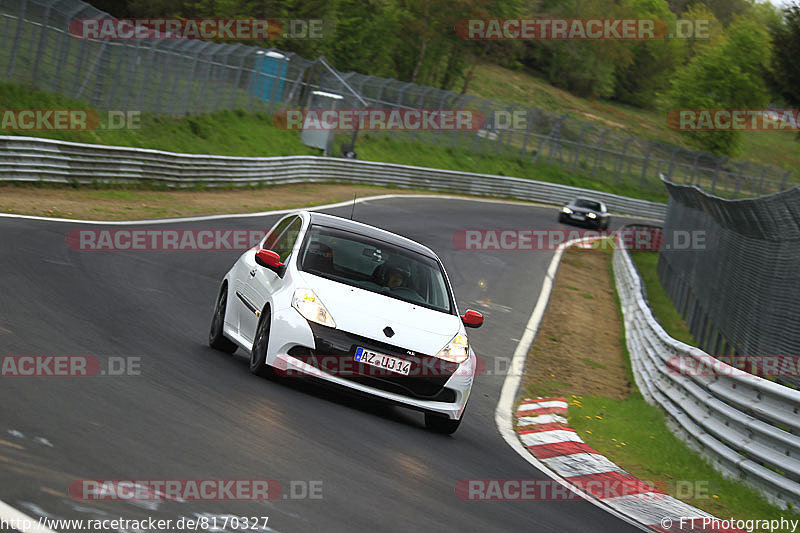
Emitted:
pixel 646 162
pixel 146 71
pixel 501 133
pixel 170 56
pixel 134 58
pixel 672 161
pixel 209 61
pixel 477 133
pixel 17 38
pixel 422 102
pixel 442 101
pixel 528 123
pixel 577 152
pixel 597 150
pixel 548 139
pixel 190 79
pixel 238 80
pixel 716 171
pixel 785 177
pixel 622 157
pixel 42 40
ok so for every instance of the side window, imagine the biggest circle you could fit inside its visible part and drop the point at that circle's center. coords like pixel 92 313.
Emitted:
pixel 275 232
pixel 285 243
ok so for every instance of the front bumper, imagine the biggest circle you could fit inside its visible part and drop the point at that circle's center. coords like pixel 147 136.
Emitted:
pixel 433 385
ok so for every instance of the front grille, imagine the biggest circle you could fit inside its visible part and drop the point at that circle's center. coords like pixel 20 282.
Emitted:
pixel 335 354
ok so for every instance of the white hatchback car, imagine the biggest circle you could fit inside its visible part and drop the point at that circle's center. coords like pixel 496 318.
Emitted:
pixel 354 305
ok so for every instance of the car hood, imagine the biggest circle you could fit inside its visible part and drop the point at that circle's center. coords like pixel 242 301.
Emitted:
pixel 367 314
pixel 583 210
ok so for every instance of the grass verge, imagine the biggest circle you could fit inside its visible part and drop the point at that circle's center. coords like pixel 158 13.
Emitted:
pixel 128 203
pixel 664 310
pixel 584 359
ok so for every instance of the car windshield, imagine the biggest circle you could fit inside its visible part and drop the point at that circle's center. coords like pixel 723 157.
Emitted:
pixel 375 266
pixel 588 204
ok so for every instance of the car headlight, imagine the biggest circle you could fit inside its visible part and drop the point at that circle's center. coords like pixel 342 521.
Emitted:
pixel 456 351
pixel 566 210
pixel 591 215
pixel 311 308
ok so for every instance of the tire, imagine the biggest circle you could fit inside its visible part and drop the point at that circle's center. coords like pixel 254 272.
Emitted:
pixel 258 355
pixel 441 424
pixel 216 338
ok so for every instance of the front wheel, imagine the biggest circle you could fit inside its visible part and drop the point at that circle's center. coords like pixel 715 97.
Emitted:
pixel 440 424
pixel 216 338
pixel 258 355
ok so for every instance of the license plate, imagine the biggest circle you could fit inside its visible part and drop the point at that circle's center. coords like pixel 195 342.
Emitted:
pixel 578 217
pixel 386 362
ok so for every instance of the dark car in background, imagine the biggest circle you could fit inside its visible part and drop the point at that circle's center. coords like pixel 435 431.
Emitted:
pixel 586 212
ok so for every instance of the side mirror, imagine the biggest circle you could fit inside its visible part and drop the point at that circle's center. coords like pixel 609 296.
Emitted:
pixel 270 260
pixel 472 319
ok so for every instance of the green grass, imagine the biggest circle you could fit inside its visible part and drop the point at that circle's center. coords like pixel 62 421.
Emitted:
pixel 634 435
pixel 664 310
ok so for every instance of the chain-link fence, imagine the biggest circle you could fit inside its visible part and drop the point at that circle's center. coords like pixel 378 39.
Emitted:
pixel 179 77
pixel 739 291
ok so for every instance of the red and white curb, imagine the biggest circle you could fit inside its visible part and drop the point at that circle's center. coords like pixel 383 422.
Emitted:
pixel 542 427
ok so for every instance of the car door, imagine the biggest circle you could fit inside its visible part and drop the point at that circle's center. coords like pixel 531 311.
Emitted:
pixel 260 282
pixel 246 308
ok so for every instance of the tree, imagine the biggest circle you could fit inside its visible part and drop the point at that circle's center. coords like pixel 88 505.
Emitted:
pixel 583 67
pixel 784 74
pixel 653 60
pixel 727 76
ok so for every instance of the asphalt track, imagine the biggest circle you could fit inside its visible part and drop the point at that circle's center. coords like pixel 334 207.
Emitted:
pixel 196 413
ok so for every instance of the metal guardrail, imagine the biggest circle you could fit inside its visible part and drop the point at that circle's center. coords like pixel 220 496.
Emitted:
pixel 746 426
pixel 29 159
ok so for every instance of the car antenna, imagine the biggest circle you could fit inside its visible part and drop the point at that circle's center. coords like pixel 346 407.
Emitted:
pixel 353 209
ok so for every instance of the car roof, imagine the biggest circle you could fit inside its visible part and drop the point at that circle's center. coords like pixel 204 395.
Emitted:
pixel 587 199
pixel 366 230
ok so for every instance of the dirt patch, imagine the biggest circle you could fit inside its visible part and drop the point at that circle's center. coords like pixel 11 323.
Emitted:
pixel 601 119
pixel 578 349
pixel 134 204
